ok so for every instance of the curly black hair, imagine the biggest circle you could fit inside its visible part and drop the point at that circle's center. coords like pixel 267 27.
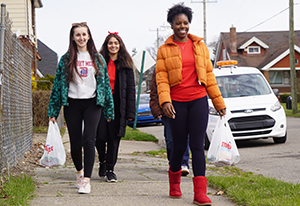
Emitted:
pixel 177 9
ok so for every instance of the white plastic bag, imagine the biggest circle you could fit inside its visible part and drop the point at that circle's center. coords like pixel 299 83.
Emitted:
pixel 54 153
pixel 222 150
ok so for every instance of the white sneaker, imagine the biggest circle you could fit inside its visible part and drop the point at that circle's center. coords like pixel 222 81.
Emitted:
pixel 79 178
pixel 85 187
pixel 184 170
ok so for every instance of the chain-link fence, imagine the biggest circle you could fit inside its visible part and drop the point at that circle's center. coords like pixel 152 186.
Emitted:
pixel 16 99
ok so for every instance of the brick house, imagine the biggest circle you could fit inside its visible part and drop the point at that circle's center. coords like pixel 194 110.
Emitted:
pixel 268 51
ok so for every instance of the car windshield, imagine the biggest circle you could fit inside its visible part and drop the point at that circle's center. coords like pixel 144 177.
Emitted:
pixel 144 99
pixel 242 85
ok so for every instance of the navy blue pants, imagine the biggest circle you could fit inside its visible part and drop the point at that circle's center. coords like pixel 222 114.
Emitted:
pixel 190 122
pixel 86 111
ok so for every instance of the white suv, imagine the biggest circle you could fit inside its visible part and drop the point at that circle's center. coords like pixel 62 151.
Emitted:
pixel 253 110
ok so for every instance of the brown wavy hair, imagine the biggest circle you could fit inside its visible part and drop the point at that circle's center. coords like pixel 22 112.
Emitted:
pixel 72 50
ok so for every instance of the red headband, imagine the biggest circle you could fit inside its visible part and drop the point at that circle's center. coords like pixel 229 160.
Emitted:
pixel 115 33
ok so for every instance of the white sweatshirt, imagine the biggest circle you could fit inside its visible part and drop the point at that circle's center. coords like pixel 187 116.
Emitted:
pixel 84 87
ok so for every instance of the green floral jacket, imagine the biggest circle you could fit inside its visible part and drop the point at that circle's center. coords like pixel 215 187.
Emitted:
pixel 59 94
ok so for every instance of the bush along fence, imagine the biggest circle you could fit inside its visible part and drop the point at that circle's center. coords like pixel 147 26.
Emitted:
pixel 15 97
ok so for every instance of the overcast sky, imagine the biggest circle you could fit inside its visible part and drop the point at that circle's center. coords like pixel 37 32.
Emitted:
pixel 137 20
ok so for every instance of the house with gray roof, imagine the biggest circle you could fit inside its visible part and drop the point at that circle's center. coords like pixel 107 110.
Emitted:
pixel 268 51
pixel 48 62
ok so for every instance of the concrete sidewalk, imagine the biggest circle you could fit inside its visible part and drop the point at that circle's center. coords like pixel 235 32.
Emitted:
pixel 142 180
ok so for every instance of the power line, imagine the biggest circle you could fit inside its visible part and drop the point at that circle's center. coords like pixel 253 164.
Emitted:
pixel 267 19
pixel 264 21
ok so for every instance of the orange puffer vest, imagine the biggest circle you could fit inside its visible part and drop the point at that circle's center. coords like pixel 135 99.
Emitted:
pixel 169 70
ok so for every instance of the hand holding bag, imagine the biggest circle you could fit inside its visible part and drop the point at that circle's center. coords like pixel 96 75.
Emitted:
pixel 54 153
pixel 223 150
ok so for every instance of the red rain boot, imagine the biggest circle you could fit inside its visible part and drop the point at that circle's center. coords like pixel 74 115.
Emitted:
pixel 200 198
pixel 174 181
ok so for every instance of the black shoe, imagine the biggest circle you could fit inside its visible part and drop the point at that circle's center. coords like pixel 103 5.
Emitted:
pixel 111 176
pixel 102 170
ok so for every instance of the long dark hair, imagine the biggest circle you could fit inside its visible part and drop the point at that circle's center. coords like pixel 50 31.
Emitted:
pixel 73 52
pixel 124 58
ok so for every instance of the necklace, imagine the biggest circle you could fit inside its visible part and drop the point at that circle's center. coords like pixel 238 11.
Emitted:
pixel 182 47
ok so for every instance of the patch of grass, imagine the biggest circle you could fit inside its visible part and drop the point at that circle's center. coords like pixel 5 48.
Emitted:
pixel 246 188
pixel 138 135
pixel 58 194
pixel 288 112
pixel 62 131
pixel 162 153
pixel 17 191
pixel 40 129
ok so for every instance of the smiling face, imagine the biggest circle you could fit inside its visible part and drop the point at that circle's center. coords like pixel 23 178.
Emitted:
pixel 81 37
pixel 113 47
pixel 180 28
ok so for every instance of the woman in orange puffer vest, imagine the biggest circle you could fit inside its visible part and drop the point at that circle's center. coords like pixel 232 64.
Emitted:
pixel 184 78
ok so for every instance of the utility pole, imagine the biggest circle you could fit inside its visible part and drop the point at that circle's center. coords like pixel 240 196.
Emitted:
pixel 157 35
pixel 204 15
pixel 204 22
pixel 292 60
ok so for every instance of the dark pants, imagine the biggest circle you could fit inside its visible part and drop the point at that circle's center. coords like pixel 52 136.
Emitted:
pixel 169 143
pixel 87 112
pixel 107 142
pixel 190 122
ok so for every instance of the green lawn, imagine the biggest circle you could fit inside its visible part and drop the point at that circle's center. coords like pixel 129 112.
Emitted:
pixel 288 112
pixel 246 188
pixel 17 191
pixel 137 135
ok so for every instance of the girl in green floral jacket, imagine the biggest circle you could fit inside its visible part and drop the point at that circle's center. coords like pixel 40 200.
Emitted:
pixel 82 86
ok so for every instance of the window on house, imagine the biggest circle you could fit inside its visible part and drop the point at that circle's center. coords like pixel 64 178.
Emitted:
pixel 279 77
pixel 253 50
pixel 296 61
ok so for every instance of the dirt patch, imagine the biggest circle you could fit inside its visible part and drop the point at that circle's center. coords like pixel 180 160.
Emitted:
pixel 31 159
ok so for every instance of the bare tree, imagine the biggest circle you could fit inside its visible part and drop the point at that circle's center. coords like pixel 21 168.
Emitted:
pixel 134 51
pixel 153 49
pixel 212 46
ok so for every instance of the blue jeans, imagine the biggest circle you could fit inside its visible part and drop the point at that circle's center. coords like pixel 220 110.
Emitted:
pixel 169 143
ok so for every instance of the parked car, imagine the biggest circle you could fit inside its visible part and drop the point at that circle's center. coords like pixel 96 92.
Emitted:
pixel 253 109
pixel 144 112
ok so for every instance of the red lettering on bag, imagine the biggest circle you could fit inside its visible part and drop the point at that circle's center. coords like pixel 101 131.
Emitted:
pixel 226 145
pixel 48 148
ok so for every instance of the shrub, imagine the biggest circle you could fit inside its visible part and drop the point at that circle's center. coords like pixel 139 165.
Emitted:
pixel 285 96
pixel 45 83
pixel 40 100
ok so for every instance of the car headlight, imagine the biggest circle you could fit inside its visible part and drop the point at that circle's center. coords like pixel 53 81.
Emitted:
pixel 276 107
pixel 212 111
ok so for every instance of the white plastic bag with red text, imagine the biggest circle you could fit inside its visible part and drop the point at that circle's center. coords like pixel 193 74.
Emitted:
pixel 54 153
pixel 222 150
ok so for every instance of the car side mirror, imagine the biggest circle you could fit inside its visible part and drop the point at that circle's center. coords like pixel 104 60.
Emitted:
pixel 276 92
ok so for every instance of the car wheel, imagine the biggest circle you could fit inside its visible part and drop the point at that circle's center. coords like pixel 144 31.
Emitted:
pixel 280 140
pixel 206 142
